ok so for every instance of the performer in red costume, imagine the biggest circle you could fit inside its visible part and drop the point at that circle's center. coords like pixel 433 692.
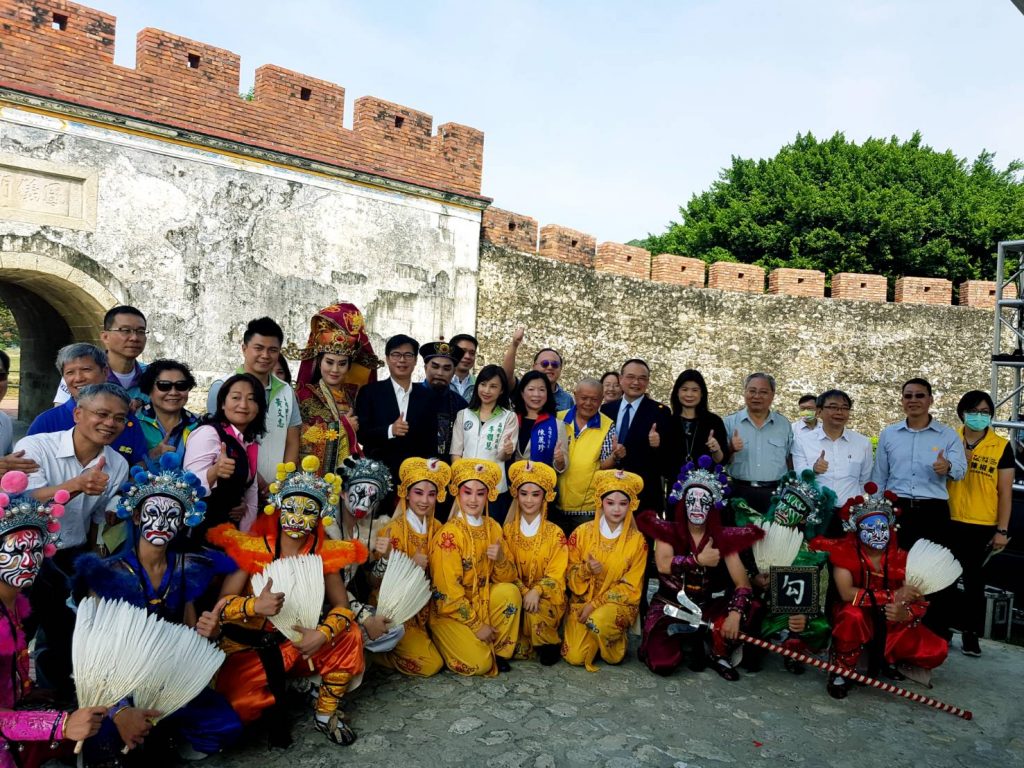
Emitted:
pixel 878 611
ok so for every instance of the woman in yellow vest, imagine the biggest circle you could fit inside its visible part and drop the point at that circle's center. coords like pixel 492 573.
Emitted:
pixel 979 507
pixel 607 558
pixel 538 551
pixel 474 617
pixel 421 484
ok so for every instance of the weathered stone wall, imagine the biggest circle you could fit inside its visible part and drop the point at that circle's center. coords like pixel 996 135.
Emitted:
pixel 867 348
pixel 204 241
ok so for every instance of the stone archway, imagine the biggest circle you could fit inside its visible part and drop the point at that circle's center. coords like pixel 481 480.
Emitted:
pixel 53 303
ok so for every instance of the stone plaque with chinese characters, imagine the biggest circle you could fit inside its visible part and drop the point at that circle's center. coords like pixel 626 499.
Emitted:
pixel 42 192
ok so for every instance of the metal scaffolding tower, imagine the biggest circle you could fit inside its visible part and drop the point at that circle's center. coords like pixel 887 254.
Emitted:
pixel 1008 348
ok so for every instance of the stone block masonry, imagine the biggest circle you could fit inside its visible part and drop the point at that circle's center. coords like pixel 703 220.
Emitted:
pixel 65 51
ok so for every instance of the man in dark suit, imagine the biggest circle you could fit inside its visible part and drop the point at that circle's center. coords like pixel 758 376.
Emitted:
pixel 439 361
pixel 640 423
pixel 396 417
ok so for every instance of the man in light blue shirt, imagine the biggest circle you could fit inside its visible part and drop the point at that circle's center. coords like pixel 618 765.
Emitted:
pixel 463 381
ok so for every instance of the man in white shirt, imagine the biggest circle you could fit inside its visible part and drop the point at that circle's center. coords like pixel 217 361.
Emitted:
pixel 840 457
pixel 807 418
pixel 81 462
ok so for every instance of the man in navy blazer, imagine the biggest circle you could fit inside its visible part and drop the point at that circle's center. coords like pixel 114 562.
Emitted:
pixel 640 423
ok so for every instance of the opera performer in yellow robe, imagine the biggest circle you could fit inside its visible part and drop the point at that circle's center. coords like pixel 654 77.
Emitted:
pixel 537 548
pixel 421 484
pixel 607 558
pixel 474 615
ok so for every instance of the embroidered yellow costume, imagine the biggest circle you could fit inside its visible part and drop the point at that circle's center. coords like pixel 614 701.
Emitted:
pixel 540 557
pixel 415 653
pixel 471 590
pixel 615 591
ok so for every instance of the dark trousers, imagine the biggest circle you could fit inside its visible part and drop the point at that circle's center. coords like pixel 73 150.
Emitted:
pixel 569 521
pixel 969 543
pixel 929 519
pixel 55 620
pixel 758 497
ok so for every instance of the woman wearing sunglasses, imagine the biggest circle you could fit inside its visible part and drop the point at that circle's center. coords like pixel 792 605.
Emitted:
pixel 165 420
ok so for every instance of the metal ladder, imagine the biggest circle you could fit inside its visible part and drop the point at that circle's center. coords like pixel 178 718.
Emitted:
pixel 1007 382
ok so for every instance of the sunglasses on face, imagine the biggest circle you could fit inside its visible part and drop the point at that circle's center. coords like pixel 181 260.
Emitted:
pixel 549 364
pixel 915 395
pixel 166 386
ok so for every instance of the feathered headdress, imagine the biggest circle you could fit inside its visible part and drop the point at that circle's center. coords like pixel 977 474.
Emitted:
pixel 164 478
pixel 872 503
pixel 18 511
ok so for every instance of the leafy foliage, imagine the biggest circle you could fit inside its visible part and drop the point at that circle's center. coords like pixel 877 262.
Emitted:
pixel 9 336
pixel 883 207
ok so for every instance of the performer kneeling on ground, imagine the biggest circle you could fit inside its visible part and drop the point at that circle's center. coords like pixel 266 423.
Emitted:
pixel 253 677
pixel 607 558
pixel 28 528
pixel 421 484
pixel 538 550
pixel 878 611
pixel 474 617
pixel 155 573
pixel 693 552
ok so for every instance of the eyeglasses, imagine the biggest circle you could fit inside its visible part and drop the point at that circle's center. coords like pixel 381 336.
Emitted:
pixel 106 416
pixel 396 356
pixel 126 332
pixel 915 395
pixel 634 377
pixel 837 408
pixel 986 412
pixel 166 386
pixel 549 364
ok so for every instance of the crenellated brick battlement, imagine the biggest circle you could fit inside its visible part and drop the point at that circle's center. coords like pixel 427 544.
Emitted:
pixel 65 51
pixel 518 232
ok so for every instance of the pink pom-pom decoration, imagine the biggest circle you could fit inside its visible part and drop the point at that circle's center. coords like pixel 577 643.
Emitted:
pixel 50 550
pixel 4 499
pixel 53 526
pixel 14 481
pixel 57 510
pixel 62 496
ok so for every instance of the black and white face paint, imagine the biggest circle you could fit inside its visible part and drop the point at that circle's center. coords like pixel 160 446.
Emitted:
pixel 160 518
pixel 362 499
pixel 698 504
pixel 21 557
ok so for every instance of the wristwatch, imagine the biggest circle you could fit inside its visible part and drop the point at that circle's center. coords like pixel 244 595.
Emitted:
pixel 1003 531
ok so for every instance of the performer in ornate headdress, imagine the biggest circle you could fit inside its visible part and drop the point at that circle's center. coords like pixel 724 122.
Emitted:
pixel 421 484
pixel 28 529
pixel 538 550
pixel 474 617
pixel 695 553
pixel 878 611
pixel 607 559
pixel 336 361
pixel 155 573
pixel 800 502
pixel 259 658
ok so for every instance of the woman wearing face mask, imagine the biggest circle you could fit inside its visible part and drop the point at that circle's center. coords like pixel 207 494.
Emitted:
pixel 542 435
pixel 877 612
pixel 979 507
pixel 412 530
pixel 695 553
pixel 155 574
pixel 538 550
pixel 474 617
pixel 607 558
pixel 488 430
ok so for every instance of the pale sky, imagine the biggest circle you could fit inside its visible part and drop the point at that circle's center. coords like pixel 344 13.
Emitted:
pixel 607 116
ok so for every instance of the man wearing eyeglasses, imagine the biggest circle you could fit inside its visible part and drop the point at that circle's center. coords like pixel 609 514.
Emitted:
pixel 80 366
pixel 840 457
pixel 124 337
pixel 548 361
pixel 914 459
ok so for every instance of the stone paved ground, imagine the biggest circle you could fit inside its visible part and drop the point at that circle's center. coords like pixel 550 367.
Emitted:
pixel 536 717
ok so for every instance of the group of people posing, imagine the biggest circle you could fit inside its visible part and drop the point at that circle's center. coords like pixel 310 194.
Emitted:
pixel 549 524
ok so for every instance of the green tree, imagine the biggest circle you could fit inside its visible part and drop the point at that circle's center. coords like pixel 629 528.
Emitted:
pixel 884 207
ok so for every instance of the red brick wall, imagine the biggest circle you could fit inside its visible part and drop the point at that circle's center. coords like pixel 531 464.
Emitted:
pixel 194 86
pixel 982 293
pixel 851 285
pixel 570 245
pixel 626 260
pixel 677 270
pixel 509 230
pixel 729 276
pixel 797 282
pixel 923 290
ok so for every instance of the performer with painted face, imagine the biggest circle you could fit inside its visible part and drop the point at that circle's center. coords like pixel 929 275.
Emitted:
pixel 412 530
pixel 538 550
pixel 259 658
pixel 878 611
pixel 800 502
pixel 28 529
pixel 155 572
pixel 607 558
pixel 474 616
pixel 695 553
